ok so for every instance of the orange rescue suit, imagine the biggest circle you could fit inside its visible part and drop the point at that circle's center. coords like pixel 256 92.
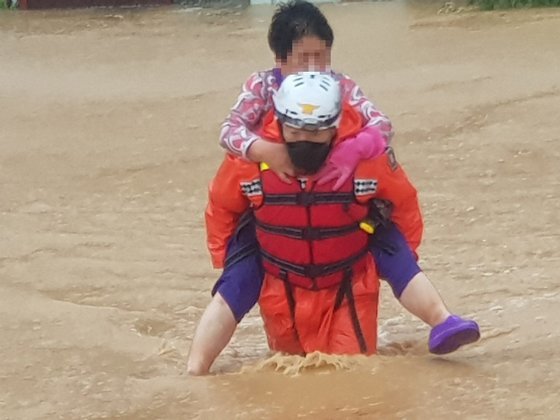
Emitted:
pixel 337 316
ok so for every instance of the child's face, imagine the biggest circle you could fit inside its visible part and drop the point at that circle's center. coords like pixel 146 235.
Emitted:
pixel 309 53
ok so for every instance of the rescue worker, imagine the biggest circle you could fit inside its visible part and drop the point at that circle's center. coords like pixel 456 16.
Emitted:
pixel 301 39
pixel 320 290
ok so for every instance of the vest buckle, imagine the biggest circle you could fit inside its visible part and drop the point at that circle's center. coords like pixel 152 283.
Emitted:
pixel 311 234
pixel 305 198
pixel 314 271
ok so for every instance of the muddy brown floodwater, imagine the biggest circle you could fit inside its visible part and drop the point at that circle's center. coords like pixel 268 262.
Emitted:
pixel 108 138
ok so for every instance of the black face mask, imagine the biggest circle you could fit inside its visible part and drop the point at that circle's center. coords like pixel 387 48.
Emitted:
pixel 308 156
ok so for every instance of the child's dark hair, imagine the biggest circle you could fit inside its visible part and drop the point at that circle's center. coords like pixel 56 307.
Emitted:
pixel 294 20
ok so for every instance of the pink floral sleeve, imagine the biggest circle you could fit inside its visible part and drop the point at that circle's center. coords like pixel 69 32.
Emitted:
pixel 255 100
pixel 372 117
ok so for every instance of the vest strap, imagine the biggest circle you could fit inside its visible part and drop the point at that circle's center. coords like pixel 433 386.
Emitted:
pixel 313 271
pixel 345 291
pixel 309 233
pixel 307 199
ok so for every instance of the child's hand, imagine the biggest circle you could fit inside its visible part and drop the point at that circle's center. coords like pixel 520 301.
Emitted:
pixel 346 155
pixel 275 155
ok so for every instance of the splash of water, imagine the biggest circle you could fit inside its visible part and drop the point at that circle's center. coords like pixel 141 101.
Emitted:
pixel 293 365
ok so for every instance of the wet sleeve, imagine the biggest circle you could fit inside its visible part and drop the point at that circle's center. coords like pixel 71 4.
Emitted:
pixel 394 186
pixel 238 130
pixel 371 116
pixel 226 204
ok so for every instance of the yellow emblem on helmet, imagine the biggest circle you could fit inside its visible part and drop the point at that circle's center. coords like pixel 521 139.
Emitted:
pixel 308 109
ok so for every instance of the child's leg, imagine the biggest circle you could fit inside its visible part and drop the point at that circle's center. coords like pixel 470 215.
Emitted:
pixel 397 264
pixel 421 298
pixel 235 293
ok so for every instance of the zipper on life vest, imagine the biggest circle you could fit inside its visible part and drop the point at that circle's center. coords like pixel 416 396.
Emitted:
pixel 310 240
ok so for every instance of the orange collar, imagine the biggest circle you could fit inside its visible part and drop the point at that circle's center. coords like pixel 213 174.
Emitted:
pixel 350 125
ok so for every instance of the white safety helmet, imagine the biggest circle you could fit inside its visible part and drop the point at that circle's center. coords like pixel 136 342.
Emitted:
pixel 309 100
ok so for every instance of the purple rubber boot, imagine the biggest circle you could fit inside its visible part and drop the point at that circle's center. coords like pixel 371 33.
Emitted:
pixel 453 333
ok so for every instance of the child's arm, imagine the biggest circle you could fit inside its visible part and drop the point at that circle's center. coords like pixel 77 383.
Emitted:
pixel 371 116
pixel 238 130
pixel 238 134
pixel 346 155
pixel 368 144
pixel 226 204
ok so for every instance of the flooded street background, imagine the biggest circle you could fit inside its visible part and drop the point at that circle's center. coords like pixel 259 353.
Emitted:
pixel 108 138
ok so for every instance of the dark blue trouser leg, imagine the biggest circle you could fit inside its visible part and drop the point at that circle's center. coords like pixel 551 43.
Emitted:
pixel 241 281
pixel 395 260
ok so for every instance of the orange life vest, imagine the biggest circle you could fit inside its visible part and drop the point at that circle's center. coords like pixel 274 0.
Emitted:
pixel 310 238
